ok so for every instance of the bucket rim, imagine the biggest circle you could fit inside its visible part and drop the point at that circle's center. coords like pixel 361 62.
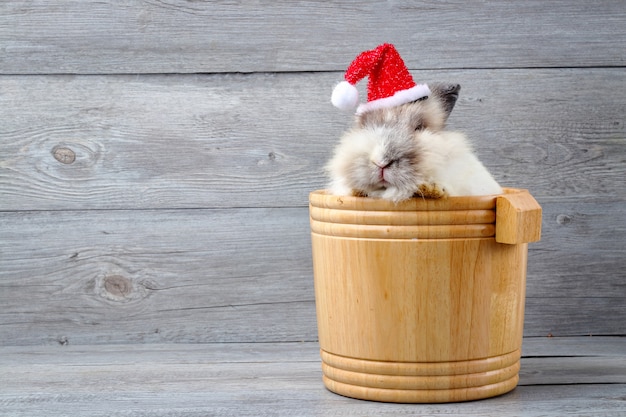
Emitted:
pixel 322 199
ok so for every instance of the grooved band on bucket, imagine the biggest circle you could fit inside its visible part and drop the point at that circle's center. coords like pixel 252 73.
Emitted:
pixel 404 232
pixel 421 382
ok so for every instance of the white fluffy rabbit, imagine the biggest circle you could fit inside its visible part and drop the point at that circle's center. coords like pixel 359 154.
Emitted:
pixel 401 152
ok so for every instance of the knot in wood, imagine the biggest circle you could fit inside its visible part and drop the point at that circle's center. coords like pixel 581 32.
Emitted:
pixel 64 155
pixel 118 286
pixel 563 219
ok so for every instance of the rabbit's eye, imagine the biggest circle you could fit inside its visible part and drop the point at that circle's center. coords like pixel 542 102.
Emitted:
pixel 417 123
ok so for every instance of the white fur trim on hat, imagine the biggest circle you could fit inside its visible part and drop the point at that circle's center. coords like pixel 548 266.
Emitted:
pixel 345 96
pixel 400 97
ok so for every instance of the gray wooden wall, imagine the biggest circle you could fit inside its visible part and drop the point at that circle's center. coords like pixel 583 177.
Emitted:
pixel 156 156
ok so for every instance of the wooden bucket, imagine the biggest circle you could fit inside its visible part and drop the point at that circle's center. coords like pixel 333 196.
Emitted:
pixel 421 301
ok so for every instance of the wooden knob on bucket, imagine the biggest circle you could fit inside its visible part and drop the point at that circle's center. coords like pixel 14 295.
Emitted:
pixel 518 218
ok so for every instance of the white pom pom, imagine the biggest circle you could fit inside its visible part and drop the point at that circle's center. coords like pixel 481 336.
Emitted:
pixel 345 96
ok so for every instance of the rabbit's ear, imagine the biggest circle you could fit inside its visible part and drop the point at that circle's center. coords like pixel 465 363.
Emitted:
pixel 448 94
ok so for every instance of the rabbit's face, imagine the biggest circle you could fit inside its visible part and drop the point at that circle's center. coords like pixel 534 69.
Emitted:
pixel 382 155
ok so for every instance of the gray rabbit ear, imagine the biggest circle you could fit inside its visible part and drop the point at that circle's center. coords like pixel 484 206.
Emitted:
pixel 448 94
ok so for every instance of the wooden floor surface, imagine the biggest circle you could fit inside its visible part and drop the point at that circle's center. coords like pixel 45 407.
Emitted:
pixel 579 376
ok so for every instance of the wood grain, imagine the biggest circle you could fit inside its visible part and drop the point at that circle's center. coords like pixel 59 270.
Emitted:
pixel 286 399
pixel 421 313
pixel 261 140
pixel 411 296
pixel 239 275
pixel 140 277
pixel 571 258
pixel 518 218
pixel 281 379
pixel 153 142
pixel 156 159
pixel 177 36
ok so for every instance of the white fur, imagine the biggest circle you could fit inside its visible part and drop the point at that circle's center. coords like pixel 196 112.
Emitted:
pixel 400 152
pixel 350 149
pixel 454 167
pixel 446 160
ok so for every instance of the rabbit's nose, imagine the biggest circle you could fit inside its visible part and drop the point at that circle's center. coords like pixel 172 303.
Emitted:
pixel 382 164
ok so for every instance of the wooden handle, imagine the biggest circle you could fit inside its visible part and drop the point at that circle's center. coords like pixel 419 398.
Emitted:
pixel 518 218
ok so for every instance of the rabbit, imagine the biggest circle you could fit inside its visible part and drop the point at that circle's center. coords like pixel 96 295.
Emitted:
pixel 401 152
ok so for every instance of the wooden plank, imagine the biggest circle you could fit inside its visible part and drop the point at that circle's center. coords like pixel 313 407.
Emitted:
pixel 155 142
pixel 127 277
pixel 581 243
pixel 268 399
pixel 534 347
pixel 273 379
pixel 178 36
pixel 196 276
pixel 273 400
pixel 262 140
pixel 561 371
pixel 565 314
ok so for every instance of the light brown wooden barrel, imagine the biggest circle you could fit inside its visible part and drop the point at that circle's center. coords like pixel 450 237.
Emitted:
pixel 420 301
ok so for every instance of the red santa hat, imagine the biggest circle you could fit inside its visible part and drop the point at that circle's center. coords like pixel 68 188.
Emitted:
pixel 389 84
